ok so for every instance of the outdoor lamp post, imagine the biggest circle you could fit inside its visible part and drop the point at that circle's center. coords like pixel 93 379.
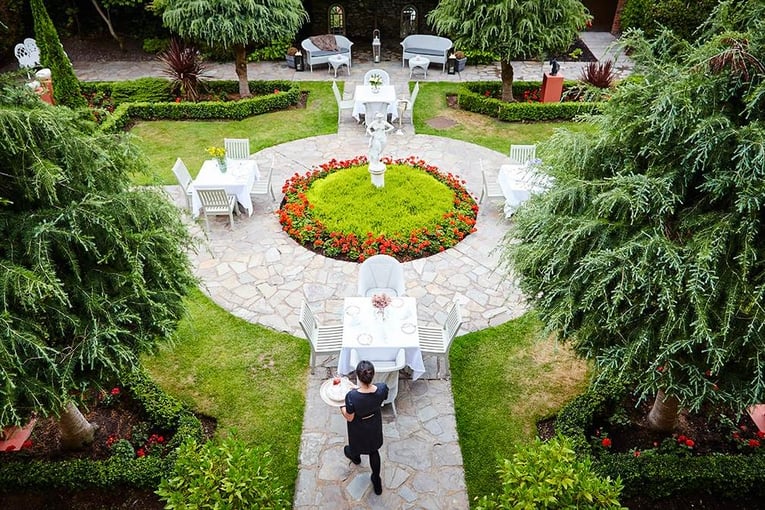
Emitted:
pixel 299 62
pixel 451 64
pixel 376 45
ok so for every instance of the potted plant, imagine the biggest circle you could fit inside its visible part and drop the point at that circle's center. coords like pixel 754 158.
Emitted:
pixel 291 52
pixel 461 60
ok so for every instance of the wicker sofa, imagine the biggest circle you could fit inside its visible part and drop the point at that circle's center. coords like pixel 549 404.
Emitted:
pixel 433 47
pixel 315 56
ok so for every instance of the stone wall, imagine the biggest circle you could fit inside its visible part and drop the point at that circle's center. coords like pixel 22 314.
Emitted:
pixel 363 16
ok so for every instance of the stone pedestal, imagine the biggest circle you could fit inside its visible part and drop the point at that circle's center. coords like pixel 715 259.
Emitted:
pixel 377 171
pixel 552 88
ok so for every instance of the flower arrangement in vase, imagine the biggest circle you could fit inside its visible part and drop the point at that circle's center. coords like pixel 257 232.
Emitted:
pixel 219 153
pixel 375 81
pixel 381 302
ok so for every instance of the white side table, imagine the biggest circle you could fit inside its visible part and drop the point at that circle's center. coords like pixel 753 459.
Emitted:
pixel 336 61
pixel 419 61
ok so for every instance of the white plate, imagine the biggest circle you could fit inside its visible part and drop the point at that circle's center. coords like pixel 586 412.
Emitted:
pixel 352 311
pixel 364 339
pixel 397 302
pixel 408 328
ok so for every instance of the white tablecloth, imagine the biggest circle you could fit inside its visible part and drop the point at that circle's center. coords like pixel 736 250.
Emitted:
pixel 385 337
pixel 237 180
pixel 364 94
pixel 518 182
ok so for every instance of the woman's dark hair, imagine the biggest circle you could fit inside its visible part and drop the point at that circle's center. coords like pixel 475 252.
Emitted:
pixel 365 372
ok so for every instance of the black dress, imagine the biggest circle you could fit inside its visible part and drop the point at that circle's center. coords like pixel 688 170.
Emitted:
pixel 365 434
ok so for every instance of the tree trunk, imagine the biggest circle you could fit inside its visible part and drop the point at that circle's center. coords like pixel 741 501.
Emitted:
pixel 108 20
pixel 663 415
pixel 76 431
pixel 507 81
pixel 241 70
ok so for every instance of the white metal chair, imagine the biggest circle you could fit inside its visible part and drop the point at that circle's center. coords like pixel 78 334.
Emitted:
pixel 372 108
pixel 522 154
pixel 323 339
pixel 383 74
pixel 438 340
pixel 489 187
pixel 237 148
pixel 381 274
pixel 385 371
pixel 341 104
pixel 184 179
pixel 216 202
pixel 263 185
pixel 409 104
pixel 28 55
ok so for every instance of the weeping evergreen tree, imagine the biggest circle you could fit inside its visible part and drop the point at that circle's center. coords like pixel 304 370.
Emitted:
pixel 512 29
pixel 92 271
pixel 233 24
pixel 648 253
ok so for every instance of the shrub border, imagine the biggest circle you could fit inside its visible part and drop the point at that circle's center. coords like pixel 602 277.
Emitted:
pixel 658 475
pixel 162 410
pixel 471 97
pixel 276 95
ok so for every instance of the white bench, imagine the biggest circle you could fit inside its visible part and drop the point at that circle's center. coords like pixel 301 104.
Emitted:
pixel 315 56
pixel 433 47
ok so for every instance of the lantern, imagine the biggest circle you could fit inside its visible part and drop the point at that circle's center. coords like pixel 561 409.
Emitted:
pixel 299 65
pixel 451 64
pixel 376 45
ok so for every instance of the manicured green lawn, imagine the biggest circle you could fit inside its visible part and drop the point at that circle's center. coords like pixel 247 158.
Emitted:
pixel 248 377
pixel 252 379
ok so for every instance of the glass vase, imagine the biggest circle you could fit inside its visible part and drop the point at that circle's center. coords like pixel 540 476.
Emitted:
pixel 222 165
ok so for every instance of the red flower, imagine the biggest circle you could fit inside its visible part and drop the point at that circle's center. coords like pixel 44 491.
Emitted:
pixel 736 435
pixel 637 453
pixel 27 444
pixel 276 91
pixel 754 443
pixel 689 443
pixel 140 452
pixel 115 391
pixel 10 448
pixel 760 434
pixel 660 369
pixel 681 438
pixel 177 99
pixel 606 442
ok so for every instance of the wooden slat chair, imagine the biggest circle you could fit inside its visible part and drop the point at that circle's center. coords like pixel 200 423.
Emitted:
pixel 323 339
pixel 522 154
pixel 237 148
pixel 438 340
pixel 263 185
pixel 489 186
pixel 341 104
pixel 184 179
pixel 216 202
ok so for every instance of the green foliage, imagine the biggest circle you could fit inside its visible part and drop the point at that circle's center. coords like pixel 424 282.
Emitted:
pixel 287 96
pixel 163 410
pixel 66 86
pixel 657 475
pixel 477 97
pixel 549 475
pixel 274 51
pixel 141 90
pixel 223 473
pixel 647 250
pixel 480 57
pixel 156 44
pixel 680 16
pixel 93 272
pixel 123 450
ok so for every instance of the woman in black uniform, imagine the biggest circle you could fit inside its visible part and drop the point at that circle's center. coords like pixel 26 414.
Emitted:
pixel 363 412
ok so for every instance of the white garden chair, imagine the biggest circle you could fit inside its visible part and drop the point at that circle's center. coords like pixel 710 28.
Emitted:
pixel 489 186
pixel 438 340
pixel 28 55
pixel 263 185
pixel 386 371
pixel 341 104
pixel 237 148
pixel 184 179
pixel 323 339
pixel 381 274
pixel 216 202
pixel 409 104
pixel 522 154
pixel 372 108
pixel 383 75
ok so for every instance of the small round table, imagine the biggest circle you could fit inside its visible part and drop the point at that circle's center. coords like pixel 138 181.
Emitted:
pixel 419 61
pixel 336 61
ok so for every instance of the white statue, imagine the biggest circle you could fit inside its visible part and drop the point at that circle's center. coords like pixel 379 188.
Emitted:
pixel 378 131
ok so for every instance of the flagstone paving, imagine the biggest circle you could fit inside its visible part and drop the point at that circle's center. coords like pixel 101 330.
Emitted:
pixel 261 275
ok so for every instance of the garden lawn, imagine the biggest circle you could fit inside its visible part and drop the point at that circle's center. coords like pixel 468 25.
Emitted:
pixel 250 378
pixel 504 380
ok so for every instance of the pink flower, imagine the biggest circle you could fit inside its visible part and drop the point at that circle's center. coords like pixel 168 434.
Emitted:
pixel 606 442
pixel 177 99
pixel 115 391
pixel 637 453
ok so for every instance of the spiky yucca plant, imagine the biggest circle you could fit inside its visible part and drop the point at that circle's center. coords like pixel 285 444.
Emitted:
pixel 185 68
pixel 599 74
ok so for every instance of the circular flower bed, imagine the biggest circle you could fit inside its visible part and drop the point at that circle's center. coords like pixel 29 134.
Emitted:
pixel 298 220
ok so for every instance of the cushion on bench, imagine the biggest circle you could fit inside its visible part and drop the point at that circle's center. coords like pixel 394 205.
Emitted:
pixel 322 53
pixel 425 51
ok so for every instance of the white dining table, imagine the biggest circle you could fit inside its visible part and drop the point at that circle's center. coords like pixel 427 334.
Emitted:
pixel 380 339
pixel 518 182
pixel 363 94
pixel 237 180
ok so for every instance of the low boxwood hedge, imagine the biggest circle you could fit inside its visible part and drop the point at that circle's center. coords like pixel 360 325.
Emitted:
pixel 478 97
pixel 658 475
pixel 153 99
pixel 163 411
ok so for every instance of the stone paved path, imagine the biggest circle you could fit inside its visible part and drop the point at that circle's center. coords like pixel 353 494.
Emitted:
pixel 259 274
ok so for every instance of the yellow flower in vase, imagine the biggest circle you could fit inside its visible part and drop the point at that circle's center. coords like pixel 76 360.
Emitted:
pixel 219 153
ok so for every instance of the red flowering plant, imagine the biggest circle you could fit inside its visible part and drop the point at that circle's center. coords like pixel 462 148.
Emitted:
pixel 748 441
pixel 108 398
pixel 297 218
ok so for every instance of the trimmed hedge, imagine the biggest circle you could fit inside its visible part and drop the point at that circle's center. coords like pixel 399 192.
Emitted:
pixel 658 475
pixel 162 410
pixel 472 97
pixel 153 99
